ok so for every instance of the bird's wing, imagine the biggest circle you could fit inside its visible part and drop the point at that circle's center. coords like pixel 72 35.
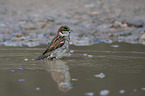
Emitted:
pixel 57 42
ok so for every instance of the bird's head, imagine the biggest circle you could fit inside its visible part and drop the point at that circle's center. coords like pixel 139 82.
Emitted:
pixel 64 31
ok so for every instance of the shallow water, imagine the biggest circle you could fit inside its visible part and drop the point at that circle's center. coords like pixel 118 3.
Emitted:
pixel 99 70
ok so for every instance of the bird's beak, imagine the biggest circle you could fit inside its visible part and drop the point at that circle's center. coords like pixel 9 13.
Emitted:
pixel 70 30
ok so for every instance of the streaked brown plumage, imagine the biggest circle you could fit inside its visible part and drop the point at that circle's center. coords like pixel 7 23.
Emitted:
pixel 57 43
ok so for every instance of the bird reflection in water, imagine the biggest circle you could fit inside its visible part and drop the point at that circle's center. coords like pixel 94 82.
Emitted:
pixel 60 74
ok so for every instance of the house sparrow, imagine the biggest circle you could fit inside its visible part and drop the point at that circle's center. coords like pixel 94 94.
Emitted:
pixel 58 46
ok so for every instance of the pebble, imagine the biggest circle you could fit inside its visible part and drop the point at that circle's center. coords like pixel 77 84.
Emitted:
pixel 2 25
pixel 104 92
pixel 7 31
pixel 90 5
pixel 125 33
pixel 101 75
pixel 35 30
pixel 135 23
pixel 94 13
pixel 12 70
pixel 18 35
pixel 26 59
pixel 68 85
pixel 135 52
pixel 37 88
pixel 90 94
pixel 21 80
pixel 32 59
pixel 85 54
pixel 115 46
pixel 143 88
pixel 107 41
pixel 74 79
pixel 20 68
pixel 70 43
pixel 71 51
pixel 90 56
pixel 122 91
pixel 134 90
pixel 143 36
pixel 84 41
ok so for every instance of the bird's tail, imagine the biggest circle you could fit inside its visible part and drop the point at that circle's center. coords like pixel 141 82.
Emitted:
pixel 41 57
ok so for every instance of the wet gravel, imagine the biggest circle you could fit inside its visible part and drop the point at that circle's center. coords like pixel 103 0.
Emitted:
pixel 33 25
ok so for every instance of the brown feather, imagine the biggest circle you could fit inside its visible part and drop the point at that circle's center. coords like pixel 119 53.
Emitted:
pixel 57 42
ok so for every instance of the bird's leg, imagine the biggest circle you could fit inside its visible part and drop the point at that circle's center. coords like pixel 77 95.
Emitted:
pixel 67 53
pixel 52 58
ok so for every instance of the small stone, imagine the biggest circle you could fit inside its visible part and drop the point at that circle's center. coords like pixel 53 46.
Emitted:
pixel 68 85
pixel 134 90
pixel 32 59
pixel 125 33
pixel 142 37
pixel 107 11
pixel 7 31
pixel 122 91
pixel 71 51
pixel 115 46
pixel 107 41
pixel 124 25
pixel 84 41
pixel 18 35
pixel 74 79
pixel 90 56
pixel 70 43
pixel 90 94
pixel 135 23
pixel 21 80
pixel 104 92
pixel 20 68
pixel 89 5
pixel 26 59
pixel 37 88
pixel 143 88
pixel 134 52
pixel 2 25
pixel 85 54
pixel 12 70
pixel 101 75
pixel 94 13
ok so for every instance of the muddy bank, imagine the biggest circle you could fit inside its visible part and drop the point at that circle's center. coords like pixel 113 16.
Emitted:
pixel 35 22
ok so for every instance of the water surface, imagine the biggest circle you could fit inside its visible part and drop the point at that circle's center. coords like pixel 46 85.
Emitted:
pixel 99 70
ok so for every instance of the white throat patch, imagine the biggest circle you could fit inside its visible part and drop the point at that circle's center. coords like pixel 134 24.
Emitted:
pixel 64 33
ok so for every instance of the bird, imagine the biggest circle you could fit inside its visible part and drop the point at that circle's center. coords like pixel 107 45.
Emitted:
pixel 59 45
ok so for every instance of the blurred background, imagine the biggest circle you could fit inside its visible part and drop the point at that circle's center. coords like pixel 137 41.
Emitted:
pixel 107 48
pixel 25 22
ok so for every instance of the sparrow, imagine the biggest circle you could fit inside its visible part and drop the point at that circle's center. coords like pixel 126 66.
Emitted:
pixel 59 45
